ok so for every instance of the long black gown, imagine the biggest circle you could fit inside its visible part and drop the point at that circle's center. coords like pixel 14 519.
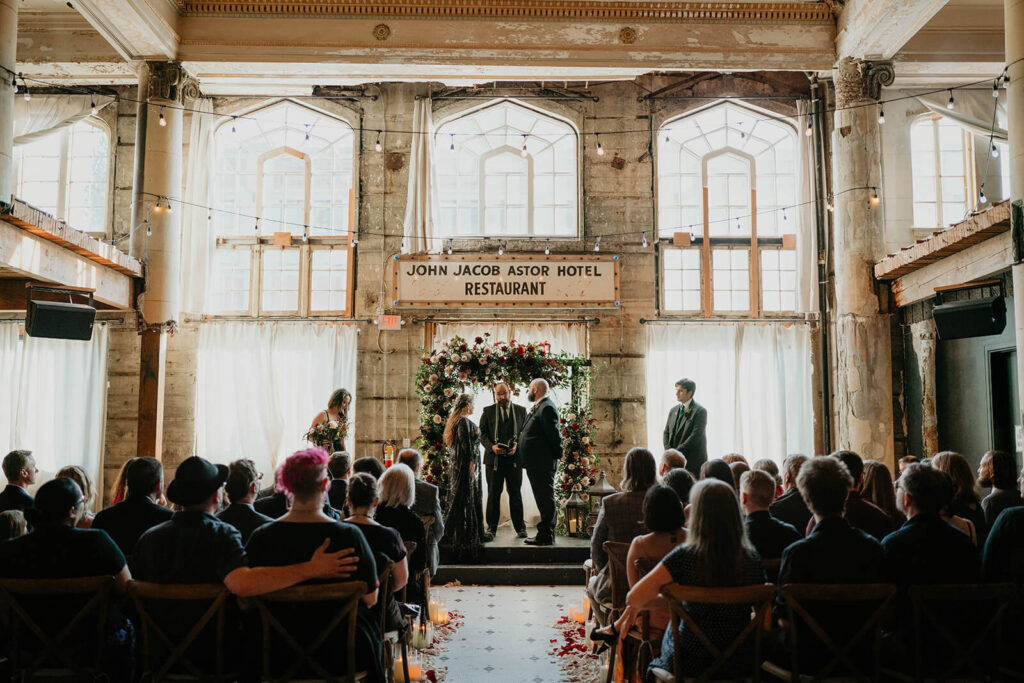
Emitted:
pixel 464 525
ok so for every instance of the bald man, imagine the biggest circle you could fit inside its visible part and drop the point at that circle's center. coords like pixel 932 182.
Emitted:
pixel 540 443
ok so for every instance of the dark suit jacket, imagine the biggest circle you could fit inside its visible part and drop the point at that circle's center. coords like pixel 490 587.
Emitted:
pixel 689 437
pixel 244 518
pixel 15 498
pixel 488 424
pixel 276 506
pixel 770 536
pixel 427 503
pixel 540 442
pixel 337 494
pixel 129 519
pixel 791 509
pixel 864 515
pixel 994 503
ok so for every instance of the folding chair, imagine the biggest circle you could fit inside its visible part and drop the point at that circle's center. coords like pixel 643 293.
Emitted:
pixel 54 644
pixel 759 598
pixel 842 598
pixel 345 599
pixel 165 640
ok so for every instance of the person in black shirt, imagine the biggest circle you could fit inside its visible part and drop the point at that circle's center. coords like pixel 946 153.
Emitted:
pixel 397 493
pixel 304 477
pixel 242 486
pixel 20 470
pixel 998 470
pixel 369 465
pixel 769 536
pixel 790 506
pixel 138 512
pixel 338 466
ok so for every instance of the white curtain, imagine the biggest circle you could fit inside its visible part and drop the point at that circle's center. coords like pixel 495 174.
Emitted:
pixel 46 114
pixel 259 386
pixel 807 237
pixel 196 233
pixel 55 393
pixel 421 200
pixel 972 109
pixel 754 380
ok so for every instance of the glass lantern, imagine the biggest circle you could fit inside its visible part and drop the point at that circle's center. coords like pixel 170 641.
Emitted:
pixel 576 514
pixel 598 491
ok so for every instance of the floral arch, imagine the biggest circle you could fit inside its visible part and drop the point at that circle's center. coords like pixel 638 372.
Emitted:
pixel 449 369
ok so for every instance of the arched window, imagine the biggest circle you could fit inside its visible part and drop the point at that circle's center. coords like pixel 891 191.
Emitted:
pixel 507 169
pixel 725 174
pixel 66 174
pixel 293 167
pixel 942 158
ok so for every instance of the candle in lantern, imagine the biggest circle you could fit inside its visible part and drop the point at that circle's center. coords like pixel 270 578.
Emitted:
pixel 585 604
pixel 573 525
pixel 415 669
pixel 432 611
pixel 580 617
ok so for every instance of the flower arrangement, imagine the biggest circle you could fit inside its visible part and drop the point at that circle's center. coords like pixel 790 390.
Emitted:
pixel 327 433
pixel 578 467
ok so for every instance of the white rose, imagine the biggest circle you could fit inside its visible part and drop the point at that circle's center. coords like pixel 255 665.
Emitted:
pixel 427 388
pixel 449 369
pixel 433 359
pixel 433 378
pixel 448 392
pixel 586 439
pixel 586 462
pixel 333 424
pixel 437 419
pixel 571 417
pixel 483 361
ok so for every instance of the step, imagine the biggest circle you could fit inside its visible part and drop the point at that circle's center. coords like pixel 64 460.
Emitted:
pixel 523 554
pixel 510 575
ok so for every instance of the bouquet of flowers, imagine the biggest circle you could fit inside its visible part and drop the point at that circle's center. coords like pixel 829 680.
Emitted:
pixel 326 433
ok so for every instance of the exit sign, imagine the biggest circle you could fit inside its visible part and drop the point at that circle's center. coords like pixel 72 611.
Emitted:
pixel 391 322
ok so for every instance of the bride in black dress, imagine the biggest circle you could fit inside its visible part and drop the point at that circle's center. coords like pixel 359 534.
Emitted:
pixel 337 410
pixel 464 525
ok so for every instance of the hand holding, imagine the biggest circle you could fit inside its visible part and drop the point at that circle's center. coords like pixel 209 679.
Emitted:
pixel 512 451
pixel 497 450
pixel 336 565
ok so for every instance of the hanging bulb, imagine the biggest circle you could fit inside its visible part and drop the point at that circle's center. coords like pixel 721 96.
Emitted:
pixel 209 215
pixel 149 229
pixel 92 108
pixel 501 248
pixel 547 248
pixel 377 145
pixel 981 195
pixel 600 148
pixel 597 244
pixel 809 131
pixel 305 234
pixel 881 114
pixel 666 136
pixel 449 247
pixel 830 203
pixel 451 144
pixel 995 151
pixel 784 216
pixel 523 153
pixel 875 199
pixel 233 119
pixel 168 204
pixel 256 226
pixel 163 121
pixel 950 104
pixel 644 241
pixel 28 95
pixel 995 88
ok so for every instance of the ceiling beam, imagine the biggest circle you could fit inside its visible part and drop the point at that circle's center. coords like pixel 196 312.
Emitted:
pixel 877 29
pixel 136 29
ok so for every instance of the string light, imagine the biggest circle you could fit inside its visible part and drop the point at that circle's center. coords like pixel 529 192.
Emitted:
pixel 995 151
pixel 233 119
pixel 501 248
pixel 597 244
pixel 644 242
pixel 600 148
pixel 950 104
pixel 809 131
pixel 451 144
pixel 256 225
pixel 28 94
pixel 981 194
pixel 92 108
pixel 307 132
pixel 784 216
pixel 995 88
pixel 523 153
pixel 666 134
pixel 149 229
pixel 547 247
pixel 829 205
pixel 875 199
pixel 449 247
pixel 881 114
pixel 377 145
pixel 163 121
pixel 167 205
pixel 305 234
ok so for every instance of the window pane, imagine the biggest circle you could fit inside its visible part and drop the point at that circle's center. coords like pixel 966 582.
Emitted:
pixel 730 279
pixel 778 280
pixel 680 279
pixel 938 205
pixel 231 281
pixel 280 279
pixel 39 173
pixel 329 285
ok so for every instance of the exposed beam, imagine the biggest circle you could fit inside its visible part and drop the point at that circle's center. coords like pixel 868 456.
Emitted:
pixel 980 261
pixel 877 29
pixel 137 29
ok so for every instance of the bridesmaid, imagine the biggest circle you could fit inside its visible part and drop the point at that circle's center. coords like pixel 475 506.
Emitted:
pixel 337 410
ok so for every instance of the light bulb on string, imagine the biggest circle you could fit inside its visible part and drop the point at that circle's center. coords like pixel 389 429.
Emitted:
pixel 163 121
pixel 209 215
pixel 950 104
pixel 995 88
pixel 451 144
pixel 644 241
pixel 149 229
pixel 523 152
pixel 378 146
pixel 597 244
pixel 995 151
pixel 809 131
pixel 501 248
pixel 92 108
pixel 881 114
pixel 307 132
pixel 666 136
pixel 600 147
pixel 305 234
pixel 167 204
pixel 449 247
pixel 981 195
pixel 28 94
pixel 784 216
pixel 875 199
pixel 830 204
pixel 547 248
pixel 256 226
pixel 233 119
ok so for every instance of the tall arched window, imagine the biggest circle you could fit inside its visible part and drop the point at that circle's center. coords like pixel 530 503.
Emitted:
pixel 942 160
pixel 66 174
pixel 293 167
pixel 725 173
pixel 507 169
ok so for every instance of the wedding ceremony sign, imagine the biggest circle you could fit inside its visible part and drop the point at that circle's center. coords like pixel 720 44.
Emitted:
pixel 520 280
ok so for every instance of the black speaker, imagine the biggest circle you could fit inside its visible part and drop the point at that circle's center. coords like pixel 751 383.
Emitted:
pixel 970 318
pixel 59 320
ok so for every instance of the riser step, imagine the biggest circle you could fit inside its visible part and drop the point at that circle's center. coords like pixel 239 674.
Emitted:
pixel 511 575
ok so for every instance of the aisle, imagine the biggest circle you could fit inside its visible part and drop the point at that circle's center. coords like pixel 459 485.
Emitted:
pixel 507 632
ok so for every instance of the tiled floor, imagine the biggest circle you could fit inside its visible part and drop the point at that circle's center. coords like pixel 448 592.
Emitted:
pixel 507 632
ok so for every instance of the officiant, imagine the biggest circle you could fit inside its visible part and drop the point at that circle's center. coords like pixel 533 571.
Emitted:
pixel 503 464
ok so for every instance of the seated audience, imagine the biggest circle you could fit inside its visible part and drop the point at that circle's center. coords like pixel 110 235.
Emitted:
pixel 242 485
pixel 716 469
pixel 716 553
pixel 768 465
pixel 397 488
pixel 384 541
pixel 338 467
pixel 731 458
pixel 861 512
pixel 427 504
pixel 739 468
pixel 120 488
pixel 680 481
pixel 56 549
pixel 303 530
pixel 20 470
pixel 998 470
pixel 620 518
pixel 277 504
pixel 369 465
pixel 877 487
pixel 671 460
pixel 12 524
pixel 904 461
pixel 138 512
pixel 768 535
pixel 966 503
pixel 78 475
pixel 790 506
pixel 1004 549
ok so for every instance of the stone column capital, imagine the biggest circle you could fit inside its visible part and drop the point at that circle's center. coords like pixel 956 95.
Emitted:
pixel 859 80
pixel 170 81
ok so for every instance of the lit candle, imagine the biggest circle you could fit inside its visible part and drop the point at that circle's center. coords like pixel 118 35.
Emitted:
pixel 432 610
pixel 581 617
pixel 572 613
pixel 573 526
pixel 585 605
pixel 415 669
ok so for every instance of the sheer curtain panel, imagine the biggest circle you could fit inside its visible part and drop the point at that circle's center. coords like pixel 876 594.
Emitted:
pixel 197 238
pixel 46 114
pixel 259 385
pixel 421 203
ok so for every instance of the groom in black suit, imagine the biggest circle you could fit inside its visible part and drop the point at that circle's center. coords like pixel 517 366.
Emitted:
pixel 684 430
pixel 540 443
pixel 503 461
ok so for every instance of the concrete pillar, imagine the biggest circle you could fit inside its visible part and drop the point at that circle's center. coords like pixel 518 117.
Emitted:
pixel 863 382
pixel 8 53
pixel 1013 26
pixel 922 337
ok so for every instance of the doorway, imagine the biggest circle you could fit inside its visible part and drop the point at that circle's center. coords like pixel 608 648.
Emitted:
pixel 1006 427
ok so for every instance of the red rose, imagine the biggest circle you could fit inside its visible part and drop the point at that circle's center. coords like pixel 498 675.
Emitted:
pixel 575 426
pixel 479 340
pixel 522 350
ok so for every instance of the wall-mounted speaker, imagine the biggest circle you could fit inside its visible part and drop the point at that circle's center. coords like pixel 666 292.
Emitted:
pixel 970 318
pixel 59 320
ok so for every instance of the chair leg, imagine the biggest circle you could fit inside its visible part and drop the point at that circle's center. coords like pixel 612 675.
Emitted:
pixel 405 658
pixel 610 678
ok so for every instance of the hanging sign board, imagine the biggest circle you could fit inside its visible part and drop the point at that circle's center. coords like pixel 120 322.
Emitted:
pixel 493 281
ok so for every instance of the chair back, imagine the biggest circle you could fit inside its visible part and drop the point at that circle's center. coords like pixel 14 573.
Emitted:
pixel 184 630
pixel 410 548
pixel 741 657
pixel 617 552
pixel 49 636
pixel 771 567
pixel 957 628
pixel 428 523
pixel 836 644
pixel 302 628
pixel 384 580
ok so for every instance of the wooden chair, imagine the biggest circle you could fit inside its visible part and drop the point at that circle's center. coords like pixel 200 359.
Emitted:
pixel 842 598
pixel 166 641
pixel 390 638
pixel 54 645
pixel 345 598
pixel 611 609
pixel 410 548
pixel 645 641
pixel 428 522
pixel 724 663
pixel 771 567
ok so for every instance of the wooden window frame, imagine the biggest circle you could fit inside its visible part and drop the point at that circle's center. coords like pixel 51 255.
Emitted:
pixel 970 178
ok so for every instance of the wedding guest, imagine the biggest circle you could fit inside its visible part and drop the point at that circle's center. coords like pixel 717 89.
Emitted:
pixel 277 504
pixel 732 458
pixel 384 541
pixel 620 518
pixel 242 485
pixel 738 468
pixel 716 553
pixel 998 470
pixel 966 502
pixel 686 426
pixel 790 506
pixel 369 465
pixel 681 481
pixel 78 475
pixel 119 489
pixel 427 504
pixel 397 491
pixel 717 468
pixel 338 467
pixel 337 411
pixel 297 534
pixel 861 512
pixel 877 487
pixel 1004 549
pixel 769 536
pixel 12 524
pixel 671 460
pixel 906 460
pixel 138 512
pixel 768 465
pixel 20 470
